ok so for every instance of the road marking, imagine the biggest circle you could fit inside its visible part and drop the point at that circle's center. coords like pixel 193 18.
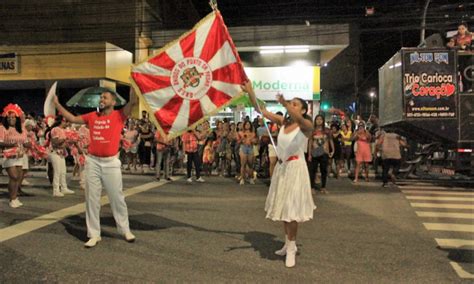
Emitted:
pixel 449 227
pixel 442 205
pixel 445 215
pixel 429 187
pixel 438 192
pixel 53 217
pixel 454 243
pixel 471 199
pixel 401 183
pixel 460 271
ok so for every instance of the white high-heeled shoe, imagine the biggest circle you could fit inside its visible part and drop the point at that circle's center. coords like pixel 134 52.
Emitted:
pixel 282 251
pixel 290 260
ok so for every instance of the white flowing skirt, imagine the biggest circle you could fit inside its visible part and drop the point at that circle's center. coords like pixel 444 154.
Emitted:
pixel 289 198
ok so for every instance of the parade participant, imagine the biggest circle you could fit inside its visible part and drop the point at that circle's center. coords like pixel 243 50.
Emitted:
pixel 363 154
pixel 102 166
pixel 74 150
pixel 190 148
pixel 31 137
pixel 41 138
pixel 162 155
pixel 321 148
pixel 13 140
pixel 289 198
pixel 247 138
pixel 57 154
pixel 82 146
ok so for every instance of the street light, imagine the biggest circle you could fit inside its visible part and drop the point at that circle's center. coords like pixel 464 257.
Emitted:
pixel 372 96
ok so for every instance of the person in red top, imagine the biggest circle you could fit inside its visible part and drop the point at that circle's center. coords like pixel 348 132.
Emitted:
pixel 462 41
pixel 102 166
pixel 190 147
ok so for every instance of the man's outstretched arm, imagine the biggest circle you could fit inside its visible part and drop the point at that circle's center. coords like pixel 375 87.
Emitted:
pixel 66 114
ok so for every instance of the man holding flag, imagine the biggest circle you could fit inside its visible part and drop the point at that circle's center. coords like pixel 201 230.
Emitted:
pixel 102 166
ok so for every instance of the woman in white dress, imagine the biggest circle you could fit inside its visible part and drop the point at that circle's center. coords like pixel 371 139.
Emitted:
pixel 289 199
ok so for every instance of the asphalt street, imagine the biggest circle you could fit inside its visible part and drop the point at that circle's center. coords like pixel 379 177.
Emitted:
pixel 217 232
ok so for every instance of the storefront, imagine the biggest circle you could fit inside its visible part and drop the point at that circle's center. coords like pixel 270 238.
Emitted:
pixel 291 81
pixel 28 72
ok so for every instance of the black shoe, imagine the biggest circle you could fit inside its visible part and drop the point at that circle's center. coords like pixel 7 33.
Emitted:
pixel 168 179
pixel 157 179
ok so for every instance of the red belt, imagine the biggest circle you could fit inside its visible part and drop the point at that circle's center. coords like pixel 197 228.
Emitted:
pixel 292 158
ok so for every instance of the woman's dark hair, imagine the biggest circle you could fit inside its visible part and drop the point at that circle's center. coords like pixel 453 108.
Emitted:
pixel 57 121
pixel 316 118
pixel 247 122
pixel 17 124
pixel 304 105
pixel 335 125
pixel 352 128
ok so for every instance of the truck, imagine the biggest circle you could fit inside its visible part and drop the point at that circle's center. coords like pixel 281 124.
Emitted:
pixel 422 97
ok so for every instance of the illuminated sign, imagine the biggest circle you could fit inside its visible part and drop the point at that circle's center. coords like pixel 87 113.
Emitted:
pixel 429 84
pixel 293 81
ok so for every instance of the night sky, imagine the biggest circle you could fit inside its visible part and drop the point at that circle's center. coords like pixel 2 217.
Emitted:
pixel 393 25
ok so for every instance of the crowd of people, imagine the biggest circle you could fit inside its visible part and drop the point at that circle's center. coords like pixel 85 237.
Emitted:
pixel 243 150
pixel 290 150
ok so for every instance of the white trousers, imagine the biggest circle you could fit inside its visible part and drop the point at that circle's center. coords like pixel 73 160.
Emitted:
pixel 59 169
pixel 82 177
pixel 104 173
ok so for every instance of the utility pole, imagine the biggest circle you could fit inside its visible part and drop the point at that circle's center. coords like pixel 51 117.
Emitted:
pixel 356 89
pixel 423 23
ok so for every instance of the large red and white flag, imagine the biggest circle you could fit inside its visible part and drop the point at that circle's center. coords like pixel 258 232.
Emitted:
pixel 191 78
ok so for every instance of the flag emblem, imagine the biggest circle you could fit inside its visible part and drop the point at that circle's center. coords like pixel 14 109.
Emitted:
pixel 190 78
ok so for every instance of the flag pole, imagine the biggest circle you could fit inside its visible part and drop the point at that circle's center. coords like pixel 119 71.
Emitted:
pixel 268 129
